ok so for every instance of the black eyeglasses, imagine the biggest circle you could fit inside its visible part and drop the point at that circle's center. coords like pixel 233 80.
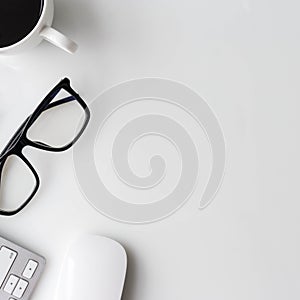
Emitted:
pixel 55 125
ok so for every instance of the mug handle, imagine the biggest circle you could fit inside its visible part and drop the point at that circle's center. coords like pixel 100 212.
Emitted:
pixel 58 39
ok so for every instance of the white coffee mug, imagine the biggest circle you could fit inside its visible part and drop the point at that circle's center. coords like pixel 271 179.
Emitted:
pixel 42 31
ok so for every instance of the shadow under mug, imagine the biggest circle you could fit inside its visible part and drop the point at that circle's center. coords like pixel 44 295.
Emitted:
pixel 42 31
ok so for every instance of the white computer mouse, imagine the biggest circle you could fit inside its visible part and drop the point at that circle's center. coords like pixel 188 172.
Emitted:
pixel 94 268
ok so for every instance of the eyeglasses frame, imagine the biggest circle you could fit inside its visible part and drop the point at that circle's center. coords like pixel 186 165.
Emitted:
pixel 19 140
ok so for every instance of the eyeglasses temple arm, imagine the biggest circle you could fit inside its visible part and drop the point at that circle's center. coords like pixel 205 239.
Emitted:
pixel 51 105
pixel 61 101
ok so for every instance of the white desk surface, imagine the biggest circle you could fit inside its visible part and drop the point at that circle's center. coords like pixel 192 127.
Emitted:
pixel 242 56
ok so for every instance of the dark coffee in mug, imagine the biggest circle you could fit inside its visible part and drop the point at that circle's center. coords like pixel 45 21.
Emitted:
pixel 17 19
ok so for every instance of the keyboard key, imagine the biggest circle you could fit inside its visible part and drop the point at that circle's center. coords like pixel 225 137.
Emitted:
pixel 20 288
pixel 11 284
pixel 30 269
pixel 7 257
pixel 15 261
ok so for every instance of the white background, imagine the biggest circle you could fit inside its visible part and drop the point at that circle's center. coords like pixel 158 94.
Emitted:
pixel 242 56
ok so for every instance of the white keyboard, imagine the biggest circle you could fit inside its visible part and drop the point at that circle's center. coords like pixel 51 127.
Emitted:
pixel 20 269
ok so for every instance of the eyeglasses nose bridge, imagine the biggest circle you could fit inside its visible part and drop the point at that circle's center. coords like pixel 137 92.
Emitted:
pixel 22 143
